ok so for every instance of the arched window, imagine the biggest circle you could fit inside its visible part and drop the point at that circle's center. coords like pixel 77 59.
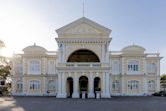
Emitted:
pixel 116 85
pixel 83 56
pixel 133 66
pixel 133 85
pixel 151 85
pixel 34 67
pixel 51 85
pixel 19 86
pixel 34 85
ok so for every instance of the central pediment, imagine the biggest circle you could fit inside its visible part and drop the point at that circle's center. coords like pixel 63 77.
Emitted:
pixel 83 27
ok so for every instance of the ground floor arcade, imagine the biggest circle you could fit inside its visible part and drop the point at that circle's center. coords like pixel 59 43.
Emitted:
pixel 83 85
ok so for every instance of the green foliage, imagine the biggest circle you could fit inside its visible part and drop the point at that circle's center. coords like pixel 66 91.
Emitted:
pixel 5 71
pixel 163 77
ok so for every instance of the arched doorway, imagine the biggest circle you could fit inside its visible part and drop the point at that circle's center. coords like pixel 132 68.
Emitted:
pixel 69 87
pixel 83 55
pixel 83 85
pixel 97 85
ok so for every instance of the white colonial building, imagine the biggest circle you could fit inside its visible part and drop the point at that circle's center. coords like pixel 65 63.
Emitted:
pixel 84 66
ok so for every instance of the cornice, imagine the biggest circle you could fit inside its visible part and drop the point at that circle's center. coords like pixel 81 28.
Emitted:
pixel 83 40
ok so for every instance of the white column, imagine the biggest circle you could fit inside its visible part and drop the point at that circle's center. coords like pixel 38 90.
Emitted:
pixel 122 86
pixel 103 53
pixel 59 86
pixel 63 47
pixel 107 95
pixel 75 93
pixel 107 53
pixel 145 85
pixel 63 85
pixel 45 79
pixel 122 66
pixel 145 66
pixel 43 66
pixel 24 86
pixel 91 86
pixel 105 85
pixel 60 51
pixel 110 84
pixel 56 83
pixel 24 66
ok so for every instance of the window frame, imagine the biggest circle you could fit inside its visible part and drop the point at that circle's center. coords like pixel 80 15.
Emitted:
pixel 34 85
pixel 34 66
pixel 133 66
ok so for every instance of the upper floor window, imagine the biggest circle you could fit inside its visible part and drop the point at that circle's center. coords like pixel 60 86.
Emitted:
pixel 115 67
pixel 34 85
pixel 151 67
pixel 51 67
pixel 133 66
pixel 34 67
pixel 18 69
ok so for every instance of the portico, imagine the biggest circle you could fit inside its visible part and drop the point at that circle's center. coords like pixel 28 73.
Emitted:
pixel 83 81
pixel 83 57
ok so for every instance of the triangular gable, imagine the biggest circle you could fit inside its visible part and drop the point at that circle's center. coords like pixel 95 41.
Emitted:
pixel 83 26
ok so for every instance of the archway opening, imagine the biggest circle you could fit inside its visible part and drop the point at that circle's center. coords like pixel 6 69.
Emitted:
pixel 69 87
pixel 83 56
pixel 83 85
pixel 97 85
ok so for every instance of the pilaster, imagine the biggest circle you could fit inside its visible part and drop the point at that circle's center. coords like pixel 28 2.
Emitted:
pixel 145 85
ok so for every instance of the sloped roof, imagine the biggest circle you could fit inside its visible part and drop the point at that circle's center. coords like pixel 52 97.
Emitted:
pixel 86 21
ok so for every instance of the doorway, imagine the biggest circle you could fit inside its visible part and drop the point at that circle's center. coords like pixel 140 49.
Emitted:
pixel 69 87
pixel 83 85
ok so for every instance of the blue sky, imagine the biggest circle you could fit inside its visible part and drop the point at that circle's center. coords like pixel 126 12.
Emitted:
pixel 143 22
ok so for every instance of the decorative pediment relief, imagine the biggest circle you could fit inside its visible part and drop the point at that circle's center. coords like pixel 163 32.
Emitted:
pixel 83 29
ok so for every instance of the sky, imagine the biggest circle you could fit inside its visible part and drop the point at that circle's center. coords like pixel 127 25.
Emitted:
pixel 142 22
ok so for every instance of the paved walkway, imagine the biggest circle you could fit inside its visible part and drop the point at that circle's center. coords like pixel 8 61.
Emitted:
pixel 54 104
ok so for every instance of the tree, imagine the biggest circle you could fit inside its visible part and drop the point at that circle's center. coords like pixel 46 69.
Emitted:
pixel 5 71
pixel 163 82
pixel 4 76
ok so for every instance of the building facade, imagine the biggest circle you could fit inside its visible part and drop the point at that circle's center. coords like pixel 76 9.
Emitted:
pixel 84 66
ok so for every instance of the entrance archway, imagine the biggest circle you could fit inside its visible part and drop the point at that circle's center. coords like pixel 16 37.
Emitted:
pixel 69 87
pixel 83 85
pixel 97 85
pixel 83 55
